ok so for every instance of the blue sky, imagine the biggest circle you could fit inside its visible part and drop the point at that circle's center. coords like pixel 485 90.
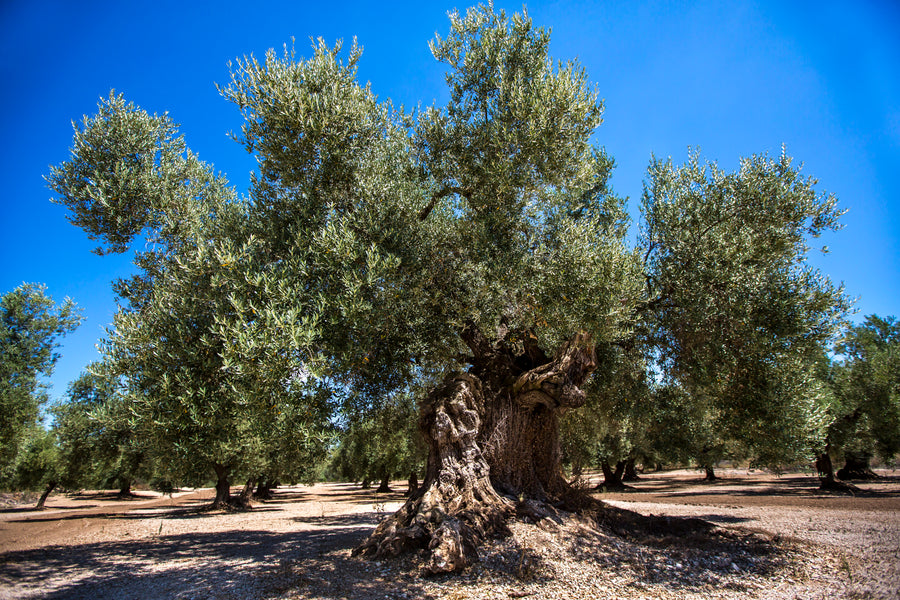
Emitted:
pixel 731 78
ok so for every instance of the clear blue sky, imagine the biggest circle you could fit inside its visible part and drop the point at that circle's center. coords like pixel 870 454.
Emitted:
pixel 732 78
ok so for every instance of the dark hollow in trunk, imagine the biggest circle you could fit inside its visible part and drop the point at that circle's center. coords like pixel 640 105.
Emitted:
pixel 40 503
pixel 856 467
pixel 493 451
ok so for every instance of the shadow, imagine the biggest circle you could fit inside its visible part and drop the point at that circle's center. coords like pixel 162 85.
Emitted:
pixel 788 486
pixel 360 519
pixel 724 519
pixel 31 509
pixel 233 564
pixel 113 496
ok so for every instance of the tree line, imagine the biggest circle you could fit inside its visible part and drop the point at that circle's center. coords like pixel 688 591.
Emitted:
pixel 452 287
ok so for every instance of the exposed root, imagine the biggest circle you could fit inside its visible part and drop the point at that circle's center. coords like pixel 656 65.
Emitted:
pixel 457 507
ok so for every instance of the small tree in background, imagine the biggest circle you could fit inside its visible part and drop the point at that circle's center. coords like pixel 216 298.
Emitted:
pixel 29 336
pixel 736 313
pixel 382 445
pixel 38 466
pixel 866 409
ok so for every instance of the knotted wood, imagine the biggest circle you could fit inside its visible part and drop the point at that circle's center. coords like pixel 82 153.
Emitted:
pixel 493 437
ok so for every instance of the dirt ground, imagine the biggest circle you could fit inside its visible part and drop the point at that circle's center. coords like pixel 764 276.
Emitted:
pixel 773 537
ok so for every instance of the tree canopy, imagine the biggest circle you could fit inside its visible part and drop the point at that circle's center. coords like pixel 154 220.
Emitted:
pixel 29 337
pixel 476 249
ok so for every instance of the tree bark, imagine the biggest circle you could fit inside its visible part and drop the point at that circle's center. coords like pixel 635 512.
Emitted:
pixel 243 499
pixel 856 467
pixel 40 503
pixel 493 439
pixel 710 473
pixel 223 488
pixel 385 486
pixel 412 484
pixel 125 488
pixel 612 478
pixel 825 469
pixel 263 491
pixel 630 471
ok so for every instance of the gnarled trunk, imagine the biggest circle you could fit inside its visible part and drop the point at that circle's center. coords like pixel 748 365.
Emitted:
pixel 630 471
pixel 412 484
pixel 243 499
pixel 125 488
pixel 825 469
pixel 612 477
pixel 493 451
pixel 223 488
pixel 263 490
pixel 856 467
pixel 710 473
pixel 385 486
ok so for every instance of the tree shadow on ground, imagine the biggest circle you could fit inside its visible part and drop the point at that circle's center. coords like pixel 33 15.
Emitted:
pixel 791 486
pixel 234 564
pixel 316 562
pixel 113 496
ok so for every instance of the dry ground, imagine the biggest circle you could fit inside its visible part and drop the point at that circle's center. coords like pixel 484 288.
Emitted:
pixel 773 537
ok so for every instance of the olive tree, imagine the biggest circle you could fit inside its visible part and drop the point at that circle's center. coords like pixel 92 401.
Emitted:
pixel 477 244
pixel 29 337
pixel 480 239
pixel 738 314
pixel 866 383
pixel 183 340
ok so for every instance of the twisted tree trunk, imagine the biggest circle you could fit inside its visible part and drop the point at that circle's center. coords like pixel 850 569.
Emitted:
pixel 825 469
pixel 223 488
pixel 412 484
pixel 493 437
pixel 856 467
pixel 612 478
pixel 385 486
pixel 630 471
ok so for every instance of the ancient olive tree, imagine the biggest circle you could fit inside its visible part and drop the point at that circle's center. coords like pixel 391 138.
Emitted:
pixel 476 244
pixel 480 239
pixel 29 336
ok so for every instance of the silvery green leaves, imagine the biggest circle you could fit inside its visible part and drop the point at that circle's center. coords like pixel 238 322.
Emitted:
pixel 738 314
pixel 131 173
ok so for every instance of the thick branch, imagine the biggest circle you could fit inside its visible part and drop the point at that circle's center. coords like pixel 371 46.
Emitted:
pixel 557 383
pixel 441 193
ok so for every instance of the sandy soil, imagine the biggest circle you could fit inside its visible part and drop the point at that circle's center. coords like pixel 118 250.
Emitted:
pixel 775 537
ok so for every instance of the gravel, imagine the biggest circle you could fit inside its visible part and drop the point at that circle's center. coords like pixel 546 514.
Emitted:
pixel 795 544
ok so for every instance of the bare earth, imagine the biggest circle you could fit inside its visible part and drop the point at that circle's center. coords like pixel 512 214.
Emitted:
pixel 774 537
